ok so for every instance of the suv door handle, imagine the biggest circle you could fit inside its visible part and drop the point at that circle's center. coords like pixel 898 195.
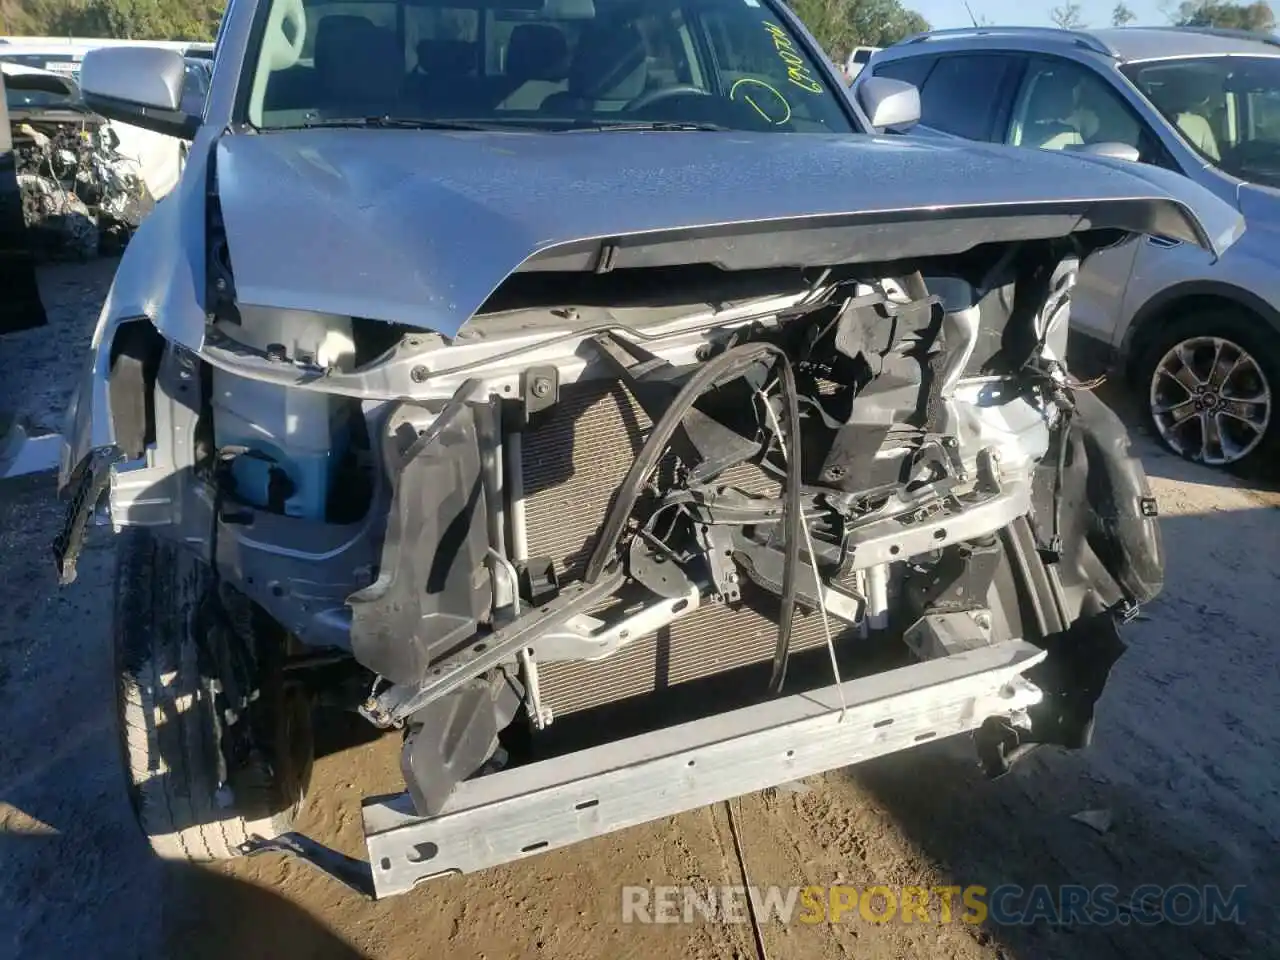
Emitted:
pixel 1163 242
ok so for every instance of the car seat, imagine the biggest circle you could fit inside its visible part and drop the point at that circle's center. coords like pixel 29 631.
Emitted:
pixel 359 67
pixel 1199 133
pixel 446 78
pixel 609 69
pixel 537 66
pixel 1180 98
pixel 1049 115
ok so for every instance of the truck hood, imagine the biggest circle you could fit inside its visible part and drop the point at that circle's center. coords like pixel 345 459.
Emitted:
pixel 420 227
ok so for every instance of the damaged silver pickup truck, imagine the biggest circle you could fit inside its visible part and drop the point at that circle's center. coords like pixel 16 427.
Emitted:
pixel 580 388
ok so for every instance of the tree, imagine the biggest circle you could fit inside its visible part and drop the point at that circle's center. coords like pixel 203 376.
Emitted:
pixel 125 19
pixel 13 19
pixel 1067 16
pixel 1257 17
pixel 841 25
pixel 1122 15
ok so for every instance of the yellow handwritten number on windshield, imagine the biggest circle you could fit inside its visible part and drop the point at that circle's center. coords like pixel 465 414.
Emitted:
pixel 797 71
pixel 767 101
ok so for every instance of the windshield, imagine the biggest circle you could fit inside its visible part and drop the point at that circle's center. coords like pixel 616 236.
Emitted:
pixel 1227 108
pixel 539 64
pixel 34 94
pixel 195 86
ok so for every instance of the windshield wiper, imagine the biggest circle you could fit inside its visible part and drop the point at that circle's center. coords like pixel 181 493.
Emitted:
pixel 397 123
pixel 659 125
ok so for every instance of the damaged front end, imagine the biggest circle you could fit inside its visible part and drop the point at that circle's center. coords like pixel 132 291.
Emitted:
pixel 671 517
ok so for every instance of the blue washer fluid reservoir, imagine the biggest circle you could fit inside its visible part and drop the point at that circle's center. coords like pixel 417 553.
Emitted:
pixel 295 438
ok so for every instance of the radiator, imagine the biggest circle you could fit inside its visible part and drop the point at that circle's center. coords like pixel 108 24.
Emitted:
pixel 573 461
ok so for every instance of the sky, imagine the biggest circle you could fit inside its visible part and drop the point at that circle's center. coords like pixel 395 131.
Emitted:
pixel 1097 13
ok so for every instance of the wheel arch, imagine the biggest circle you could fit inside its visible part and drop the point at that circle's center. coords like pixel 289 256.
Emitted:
pixel 1182 297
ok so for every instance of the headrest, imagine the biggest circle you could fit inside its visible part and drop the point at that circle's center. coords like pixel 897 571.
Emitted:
pixel 447 58
pixel 537 51
pixel 1052 99
pixel 609 63
pixel 358 62
pixel 1178 92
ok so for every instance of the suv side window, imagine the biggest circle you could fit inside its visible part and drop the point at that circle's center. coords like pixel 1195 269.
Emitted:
pixel 966 93
pixel 913 70
pixel 1064 104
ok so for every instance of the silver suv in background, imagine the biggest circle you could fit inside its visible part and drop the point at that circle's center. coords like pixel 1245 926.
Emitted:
pixel 1199 337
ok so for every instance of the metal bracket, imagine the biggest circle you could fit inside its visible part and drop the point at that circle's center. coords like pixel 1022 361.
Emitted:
pixel 526 810
pixel 540 389
pixel 955 520
pixel 717 545
pixel 945 634
pixel 584 637
pixel 650 565
pixel 394 704
pixel 951 448
pixel 347 870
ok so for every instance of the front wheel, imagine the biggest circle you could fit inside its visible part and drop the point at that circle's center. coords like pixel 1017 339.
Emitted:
pixel 1209 379
pixel 216 746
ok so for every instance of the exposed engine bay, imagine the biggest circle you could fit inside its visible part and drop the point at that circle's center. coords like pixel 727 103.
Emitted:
pixel 622 468
pixel 612 509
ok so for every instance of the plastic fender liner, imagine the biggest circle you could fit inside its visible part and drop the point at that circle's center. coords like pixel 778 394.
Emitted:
pixel 433 586
pixel 1071 677
pixel 136 351
pixel 1125 531
pixel 451 738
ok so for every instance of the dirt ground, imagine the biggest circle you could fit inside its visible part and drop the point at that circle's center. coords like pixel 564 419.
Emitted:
pixel 1185 763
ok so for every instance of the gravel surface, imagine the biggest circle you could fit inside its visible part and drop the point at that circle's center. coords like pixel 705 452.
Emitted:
pixel 1184 764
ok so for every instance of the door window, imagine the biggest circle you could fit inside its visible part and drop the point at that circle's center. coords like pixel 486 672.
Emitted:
pixel 1064 105
pixel 964 94
pixel 912 70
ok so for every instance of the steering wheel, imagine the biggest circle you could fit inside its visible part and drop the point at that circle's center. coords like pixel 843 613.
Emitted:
pixel 664 93
pixel 1252 157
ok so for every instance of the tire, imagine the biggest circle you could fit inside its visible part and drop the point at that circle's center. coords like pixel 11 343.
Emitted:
pixel 1247 441
pixel 168 635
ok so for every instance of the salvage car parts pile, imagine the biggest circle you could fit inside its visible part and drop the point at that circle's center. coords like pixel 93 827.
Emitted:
pixel 80 196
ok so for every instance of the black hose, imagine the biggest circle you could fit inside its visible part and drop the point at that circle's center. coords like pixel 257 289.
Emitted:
pixel 731 363
pixel 793 533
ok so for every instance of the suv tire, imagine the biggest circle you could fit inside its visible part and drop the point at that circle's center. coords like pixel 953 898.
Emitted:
pixel 1247 347
pixel 170 634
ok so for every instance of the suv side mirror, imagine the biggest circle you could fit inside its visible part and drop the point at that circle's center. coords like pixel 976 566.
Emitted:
pixel 889 103
pixel 141 86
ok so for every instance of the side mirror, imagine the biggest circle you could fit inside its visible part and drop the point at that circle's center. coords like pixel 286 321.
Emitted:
pixel 1115 151
pixel 889 103
pixel 141 86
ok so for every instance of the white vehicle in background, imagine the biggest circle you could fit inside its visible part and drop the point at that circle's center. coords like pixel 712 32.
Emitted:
pixel 857 60
pixel 159 158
